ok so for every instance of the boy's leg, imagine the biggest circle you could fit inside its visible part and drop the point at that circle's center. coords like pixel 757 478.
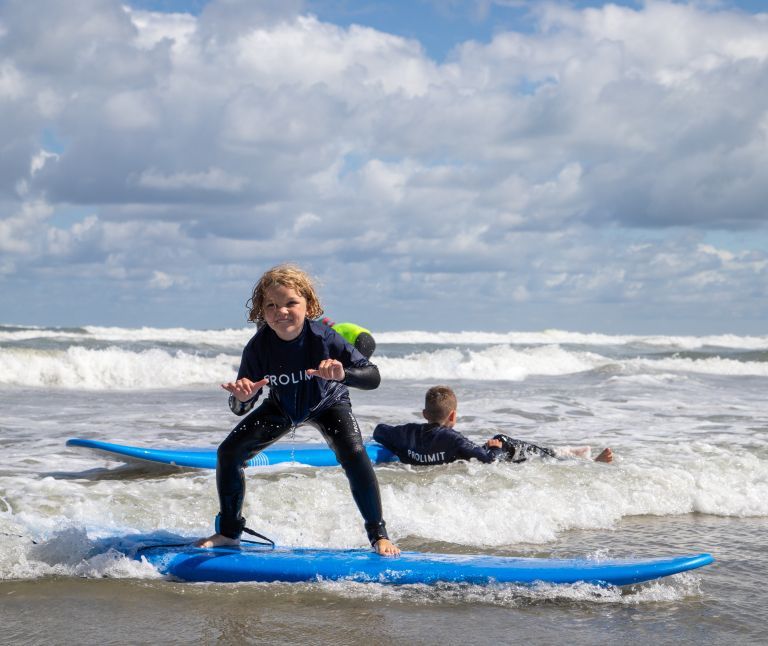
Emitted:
pixel 519 451
pixel 256 432
pixel 339 428
pixel 584 451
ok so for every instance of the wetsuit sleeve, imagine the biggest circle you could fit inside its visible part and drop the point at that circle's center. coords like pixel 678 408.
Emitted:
pixel 358 371
pixel 241 408
pixel 466 449
pixel 365 377
pixel 383 435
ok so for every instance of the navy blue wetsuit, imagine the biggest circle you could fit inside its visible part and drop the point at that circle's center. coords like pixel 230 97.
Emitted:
pixel 430 444
pixel 434 444
pixel 296 398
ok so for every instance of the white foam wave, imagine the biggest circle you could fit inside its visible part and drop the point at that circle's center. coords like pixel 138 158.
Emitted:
pixel 495 363
pixel 78 367
pixel 707 366
pixel 513 596
pixel 470 504
pixel 239 336
pixel 511 504
pixel 535 502
pixel 222 338
pixel 563 337
pixel 506 363
pixel 114 367
pixel 236 337
pixel 68 553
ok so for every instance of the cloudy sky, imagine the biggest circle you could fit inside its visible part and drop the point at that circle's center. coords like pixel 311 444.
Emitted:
pixel 448 164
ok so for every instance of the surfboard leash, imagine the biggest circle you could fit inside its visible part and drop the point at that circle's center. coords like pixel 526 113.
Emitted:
pixel 248 530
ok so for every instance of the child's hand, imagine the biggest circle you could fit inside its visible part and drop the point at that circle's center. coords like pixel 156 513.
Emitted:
pixel 329 369
pixel 244 389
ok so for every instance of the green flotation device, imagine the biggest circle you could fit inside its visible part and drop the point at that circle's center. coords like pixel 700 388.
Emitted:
pixel 351 332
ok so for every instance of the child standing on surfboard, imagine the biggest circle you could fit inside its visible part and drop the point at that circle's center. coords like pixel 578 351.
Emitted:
pixel 308 368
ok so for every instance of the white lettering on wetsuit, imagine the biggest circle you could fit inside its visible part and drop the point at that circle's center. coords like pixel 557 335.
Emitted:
pixel 426 458
pixel 291 378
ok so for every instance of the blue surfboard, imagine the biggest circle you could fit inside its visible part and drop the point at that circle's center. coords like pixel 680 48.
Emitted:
pixel 294 564
pixel 311 454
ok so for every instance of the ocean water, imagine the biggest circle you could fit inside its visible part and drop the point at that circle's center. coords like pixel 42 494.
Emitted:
pixel 687 418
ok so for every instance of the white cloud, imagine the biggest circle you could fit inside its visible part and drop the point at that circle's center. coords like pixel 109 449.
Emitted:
pixel 177 29
pixel 384 182
pixel 11 82
pixel 131 111
pixel 19 232
pixel 161 280
pixel 306 221
pixel 256 131
pixel 213 179
pixel 39 161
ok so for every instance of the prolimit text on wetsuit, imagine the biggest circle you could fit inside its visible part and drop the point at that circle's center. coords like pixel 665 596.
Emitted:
pixel 427 458
pixel 290 378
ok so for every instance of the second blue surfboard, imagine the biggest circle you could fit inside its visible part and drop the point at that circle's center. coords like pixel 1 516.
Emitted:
pixel 311 454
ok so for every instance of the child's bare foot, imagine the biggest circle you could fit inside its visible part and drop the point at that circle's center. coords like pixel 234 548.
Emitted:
pixel 217 540
pixel 385 547
pixel 606 455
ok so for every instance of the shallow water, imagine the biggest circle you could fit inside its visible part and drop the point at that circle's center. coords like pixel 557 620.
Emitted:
pixel 723 603
pixel 686 417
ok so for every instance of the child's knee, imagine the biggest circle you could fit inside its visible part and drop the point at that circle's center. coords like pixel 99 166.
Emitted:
pixel 232 450
pixel 226 453
pixel 351 455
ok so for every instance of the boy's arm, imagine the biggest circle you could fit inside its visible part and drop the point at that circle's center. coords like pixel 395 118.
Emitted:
pixel 382 434
pixel 393 438
pixel 467 450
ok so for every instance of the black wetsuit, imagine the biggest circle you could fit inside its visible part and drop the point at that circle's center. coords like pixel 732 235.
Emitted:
pixel 431 443
pixel 296 398
pixel 514 450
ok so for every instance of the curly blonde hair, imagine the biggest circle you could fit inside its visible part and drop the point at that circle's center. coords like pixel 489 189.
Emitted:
pixel 285 275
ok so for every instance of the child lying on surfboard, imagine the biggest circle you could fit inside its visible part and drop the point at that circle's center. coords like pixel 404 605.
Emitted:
pixel 437 442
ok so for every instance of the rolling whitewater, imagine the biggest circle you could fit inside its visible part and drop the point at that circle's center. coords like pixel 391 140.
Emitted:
pixel 686 416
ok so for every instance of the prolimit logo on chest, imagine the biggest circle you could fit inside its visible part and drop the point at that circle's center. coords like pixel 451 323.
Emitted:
pixel 290 378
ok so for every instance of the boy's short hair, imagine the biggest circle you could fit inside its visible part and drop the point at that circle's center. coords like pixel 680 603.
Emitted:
pixel 438 404
pixel 286 275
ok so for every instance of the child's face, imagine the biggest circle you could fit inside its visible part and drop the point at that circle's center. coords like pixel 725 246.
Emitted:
pixel 284 311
